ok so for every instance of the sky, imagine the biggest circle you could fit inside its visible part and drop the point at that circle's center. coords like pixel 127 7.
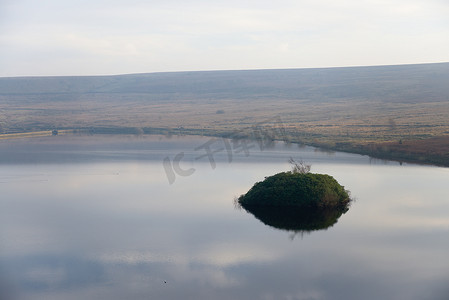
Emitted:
pixel 106 37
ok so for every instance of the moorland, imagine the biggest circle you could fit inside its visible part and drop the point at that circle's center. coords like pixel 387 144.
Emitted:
pixel 393 112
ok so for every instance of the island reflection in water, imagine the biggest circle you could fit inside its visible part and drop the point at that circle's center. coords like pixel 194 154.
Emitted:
pixel 298 220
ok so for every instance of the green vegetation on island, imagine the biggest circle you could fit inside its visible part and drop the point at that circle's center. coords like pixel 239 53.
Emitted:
pixel 298 188
pixel 298 200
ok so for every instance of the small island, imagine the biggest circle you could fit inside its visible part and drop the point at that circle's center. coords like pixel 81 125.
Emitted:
pixel 297 200
pixel 297 188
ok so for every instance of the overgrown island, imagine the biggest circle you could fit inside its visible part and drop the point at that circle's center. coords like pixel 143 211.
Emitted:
pixel 297 200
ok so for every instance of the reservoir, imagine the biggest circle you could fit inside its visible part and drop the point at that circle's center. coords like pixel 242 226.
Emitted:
pixel 153 217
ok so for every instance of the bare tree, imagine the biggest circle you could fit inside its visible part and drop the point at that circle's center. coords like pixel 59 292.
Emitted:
pixel 299 167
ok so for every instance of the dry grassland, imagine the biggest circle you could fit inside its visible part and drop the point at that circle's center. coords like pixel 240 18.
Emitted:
pixel 363 110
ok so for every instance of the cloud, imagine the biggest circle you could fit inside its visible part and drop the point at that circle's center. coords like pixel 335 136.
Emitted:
pixel 99 37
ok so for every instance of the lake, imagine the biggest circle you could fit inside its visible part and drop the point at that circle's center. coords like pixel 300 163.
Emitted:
pixel 153 217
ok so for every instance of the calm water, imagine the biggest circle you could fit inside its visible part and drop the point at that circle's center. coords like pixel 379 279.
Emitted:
pixel 97 218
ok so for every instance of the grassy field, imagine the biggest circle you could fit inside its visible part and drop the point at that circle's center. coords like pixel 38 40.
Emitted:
pixel 398 112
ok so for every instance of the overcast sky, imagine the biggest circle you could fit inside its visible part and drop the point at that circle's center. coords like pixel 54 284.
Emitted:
pixel 95 37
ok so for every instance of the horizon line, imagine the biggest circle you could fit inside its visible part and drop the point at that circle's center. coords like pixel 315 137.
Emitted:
pixel 228 70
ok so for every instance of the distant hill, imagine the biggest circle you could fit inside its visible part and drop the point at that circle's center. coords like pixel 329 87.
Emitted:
pixel 403 83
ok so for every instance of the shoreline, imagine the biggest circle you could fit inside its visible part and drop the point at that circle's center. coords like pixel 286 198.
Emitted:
pixel 421 152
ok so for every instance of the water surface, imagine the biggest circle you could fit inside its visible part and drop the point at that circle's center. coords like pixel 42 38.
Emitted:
pixel 97 218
